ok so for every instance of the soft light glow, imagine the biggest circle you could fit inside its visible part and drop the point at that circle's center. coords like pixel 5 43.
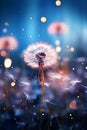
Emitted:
pixel 73 104
pixel 4 30
pixel 67 46
pixel 6 24
pixel 3 53
pixel 58 28
pixel 43 19
pixel 72 49
pixel 58 49
pixel 13 84
pixel 58 3
pixel 8 43
pixel 57 42
pixel 7 63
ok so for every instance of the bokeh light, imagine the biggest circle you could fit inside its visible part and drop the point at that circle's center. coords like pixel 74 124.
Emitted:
pixel 57 42
pixel 13 84
pixel 43 19
pixel 8 43
pixel 58 28
pixel 72 49
pixel 4 30
pixel 73 104
pixel 6 24
pixel 3 53
pixel 58 2
pixel 58 49
pixel 7 63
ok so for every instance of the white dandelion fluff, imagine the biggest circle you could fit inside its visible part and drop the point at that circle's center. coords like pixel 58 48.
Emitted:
pixel 40 52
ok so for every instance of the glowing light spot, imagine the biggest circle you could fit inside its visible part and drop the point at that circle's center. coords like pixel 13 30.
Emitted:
pixel 73 68
pixel 13 84
pixel 7 63
pixel 58 28
pixel 67 46
pixel 72 49
pixel 6 24
pixel 70 114
pixel 78 97
pixel 22 29
pixel 30 17
pixel 72 104
pixel 13 106
pixel 58 49
pixel 4 30
pixel 57 42
pixel 58 3
pixel 71 118
pixel 3 53
pixel 42 114
pixel 11 33
pixel 38 35
pixel 8 43
pixel 86 67
pixel 43 19
pixel 30 36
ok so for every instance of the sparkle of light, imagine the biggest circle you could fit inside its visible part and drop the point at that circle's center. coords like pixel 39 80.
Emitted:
pixel 30 17
pixel 3 53
pixel 11 33
pixel 43 19
pixel 67 46
pixel 58 3
pixel 57 42
pixel 58 49
pixel 72 49
pixel 86 67
pixel 58 28
pixel 73 68
pixel 77 96
pixel 6 24
pixel 13 84
pixel 4 30
pixel 8 43
pixel 7 63
pixel 72 104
